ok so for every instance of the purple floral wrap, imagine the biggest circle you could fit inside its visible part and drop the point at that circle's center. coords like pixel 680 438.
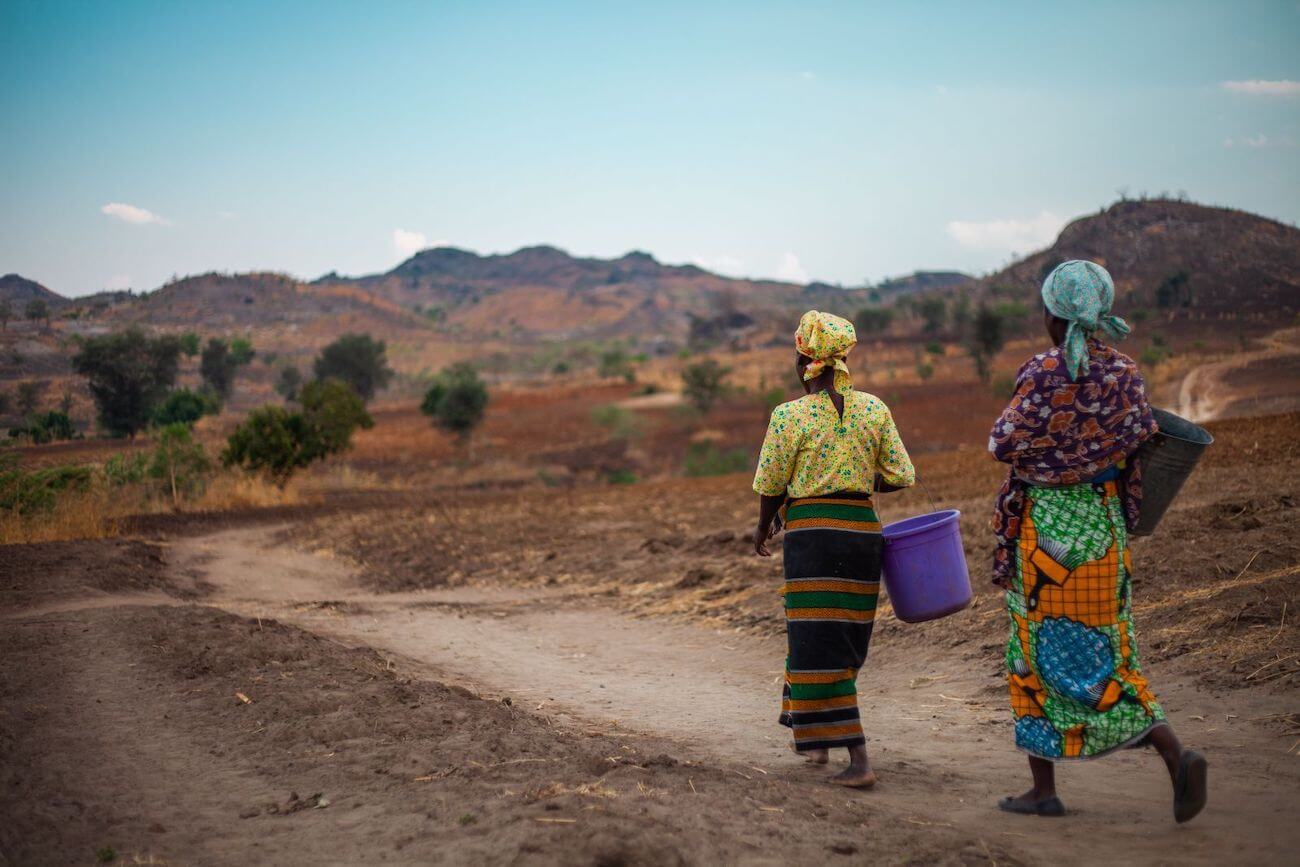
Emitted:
pixel 1058 430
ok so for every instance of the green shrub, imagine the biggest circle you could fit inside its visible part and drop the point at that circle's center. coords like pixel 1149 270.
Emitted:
pixel 934 347
pixel 706 459
pixel 28 492
pixel 703 383
pixel 46 427
pixel 457 400
pixel 126 469
pixel 621 423
pixel 184 406
pixel 621 477
pixel 615 364
pixel 925 371
pixel 871 321
pixel 289 382
pixel 277 443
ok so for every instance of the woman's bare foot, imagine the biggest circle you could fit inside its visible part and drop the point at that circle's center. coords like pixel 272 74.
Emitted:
pixel 858 774
pixel 855 778
pixel 812 757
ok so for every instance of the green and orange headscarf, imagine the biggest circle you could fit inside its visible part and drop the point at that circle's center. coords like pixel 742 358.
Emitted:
pixel 826 339
pixel 1081 293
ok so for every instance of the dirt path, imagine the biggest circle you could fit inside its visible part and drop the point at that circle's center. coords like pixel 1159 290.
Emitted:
pixel 1244 384
pixel 940 736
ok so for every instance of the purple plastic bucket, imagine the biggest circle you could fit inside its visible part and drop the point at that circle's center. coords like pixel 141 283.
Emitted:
pixel 925 567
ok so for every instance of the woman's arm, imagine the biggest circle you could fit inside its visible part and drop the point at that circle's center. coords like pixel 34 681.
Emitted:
pixel 894 467
pixel 768 507
pixel 775 466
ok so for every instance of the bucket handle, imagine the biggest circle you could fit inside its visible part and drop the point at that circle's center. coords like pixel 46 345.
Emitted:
pixel 920 481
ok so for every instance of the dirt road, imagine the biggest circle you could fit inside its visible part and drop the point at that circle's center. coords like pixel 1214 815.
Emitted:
pixel 1248 383
pixel 939 734
pixel 217 690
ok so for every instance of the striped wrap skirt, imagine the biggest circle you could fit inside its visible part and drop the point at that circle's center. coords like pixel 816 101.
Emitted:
pixel 832 548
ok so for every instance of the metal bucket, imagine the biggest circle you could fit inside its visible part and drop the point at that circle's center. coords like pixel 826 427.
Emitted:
pixel 1167 459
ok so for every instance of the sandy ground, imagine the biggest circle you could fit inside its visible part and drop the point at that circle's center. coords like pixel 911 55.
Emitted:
pixel 599 686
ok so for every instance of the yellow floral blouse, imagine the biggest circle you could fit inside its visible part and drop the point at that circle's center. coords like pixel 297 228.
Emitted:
pixel 809 451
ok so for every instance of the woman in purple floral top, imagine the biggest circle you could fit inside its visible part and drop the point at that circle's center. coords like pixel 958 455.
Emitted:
pixel 1075 421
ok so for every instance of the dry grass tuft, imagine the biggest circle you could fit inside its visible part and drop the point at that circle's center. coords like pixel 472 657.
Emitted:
pixel 227 491
pixel 91 515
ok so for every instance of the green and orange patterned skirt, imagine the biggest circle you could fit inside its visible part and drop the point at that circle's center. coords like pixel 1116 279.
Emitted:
pixel 1076 684
pixel 832 577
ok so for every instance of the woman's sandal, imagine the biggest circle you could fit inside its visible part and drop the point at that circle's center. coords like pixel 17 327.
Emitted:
pixel 1047 807
pixel 1190 786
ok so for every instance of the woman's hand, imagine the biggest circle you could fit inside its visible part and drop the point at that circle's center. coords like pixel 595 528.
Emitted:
pixel 769 522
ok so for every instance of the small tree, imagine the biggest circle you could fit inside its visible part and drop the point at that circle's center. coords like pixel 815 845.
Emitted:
pixel 933 311
pixel 872 321
pixel 128 374
pixel 288 383
pixel 358 360
pixel 29 396
pixel 218 365
pixel 38 310
pixel 178 462
pixel 457 400
pixel 988 336
pixel 6 313
pixel 703 383
pixel 190 344
pixel 960 315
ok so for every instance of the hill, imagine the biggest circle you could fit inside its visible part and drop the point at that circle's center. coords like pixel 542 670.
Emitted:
pixel 18 290
pixel 1198 263
pixel 545 292
pixel 922 281
pixel 260 300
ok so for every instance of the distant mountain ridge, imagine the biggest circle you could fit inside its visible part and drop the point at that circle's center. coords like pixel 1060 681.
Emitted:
pixel 1201 262
pixel 543 291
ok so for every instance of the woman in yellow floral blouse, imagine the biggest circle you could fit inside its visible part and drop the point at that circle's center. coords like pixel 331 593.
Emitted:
pixel 823 457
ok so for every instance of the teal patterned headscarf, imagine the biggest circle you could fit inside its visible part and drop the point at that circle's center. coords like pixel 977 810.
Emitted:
pixel 1082 292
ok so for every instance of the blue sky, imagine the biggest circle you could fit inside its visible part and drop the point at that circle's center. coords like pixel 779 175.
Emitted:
pixel 834 141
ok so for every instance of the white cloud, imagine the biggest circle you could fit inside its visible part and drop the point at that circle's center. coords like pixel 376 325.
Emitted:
pixel 1259 141
pixel 132 214
pixel 118 282
pixel 408 243
pixel 1262 87
pixel 720 264
pixel 790 270
pixel 1007 236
